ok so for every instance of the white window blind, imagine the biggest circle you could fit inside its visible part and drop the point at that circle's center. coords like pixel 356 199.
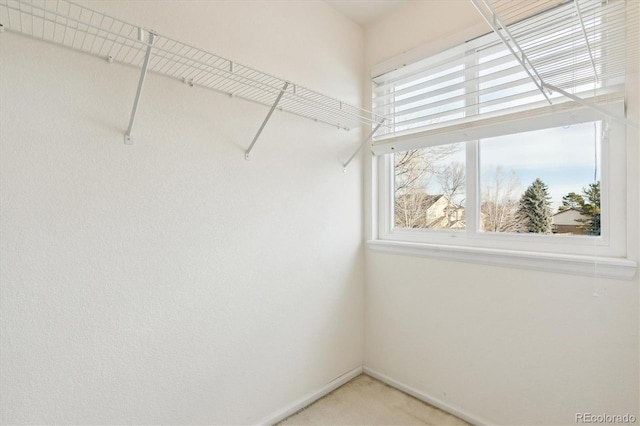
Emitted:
pixel 580 48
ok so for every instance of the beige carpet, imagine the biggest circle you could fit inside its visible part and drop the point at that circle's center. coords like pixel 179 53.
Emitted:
pixel 367 401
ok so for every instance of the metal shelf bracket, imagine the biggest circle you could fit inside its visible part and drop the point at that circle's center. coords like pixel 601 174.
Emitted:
pixel 591 105
pixel 128 137
pixel 496 25
pixel 264 123
pixel 586 39
pixel 345 165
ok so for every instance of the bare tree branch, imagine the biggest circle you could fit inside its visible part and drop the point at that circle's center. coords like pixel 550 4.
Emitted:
pixel 500 203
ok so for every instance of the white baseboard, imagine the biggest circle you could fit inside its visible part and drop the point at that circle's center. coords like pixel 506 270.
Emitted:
pixel 426 398
pixel 298 405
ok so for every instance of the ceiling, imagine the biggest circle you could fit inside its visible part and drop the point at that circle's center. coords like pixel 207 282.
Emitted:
pixel 364 12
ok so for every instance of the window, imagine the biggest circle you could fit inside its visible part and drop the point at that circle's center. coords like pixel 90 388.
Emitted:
pixel 479 156
pixel 526 183
pixel 429 188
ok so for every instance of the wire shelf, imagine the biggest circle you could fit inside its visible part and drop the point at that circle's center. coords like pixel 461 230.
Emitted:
pixel 68 24
pixel 583 46
pixel 604 37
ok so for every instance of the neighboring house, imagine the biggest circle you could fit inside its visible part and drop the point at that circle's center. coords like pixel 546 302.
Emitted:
pixel 454 217
pixel 419 210
pixel 434 207
pixel 568 222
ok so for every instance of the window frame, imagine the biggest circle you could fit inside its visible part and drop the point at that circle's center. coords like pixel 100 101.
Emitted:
pixel 602 256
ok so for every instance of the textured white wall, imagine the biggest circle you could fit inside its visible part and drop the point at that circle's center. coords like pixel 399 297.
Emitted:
pixel 504 346
pixel 172 281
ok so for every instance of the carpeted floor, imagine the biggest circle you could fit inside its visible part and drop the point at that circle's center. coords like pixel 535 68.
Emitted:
pixel 367 401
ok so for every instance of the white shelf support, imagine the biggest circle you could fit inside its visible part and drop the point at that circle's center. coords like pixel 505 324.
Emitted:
pixel 128 137
pixel 345 165
pixel 264 123
pixel 586 39
pixel 591 105
pixel 496 24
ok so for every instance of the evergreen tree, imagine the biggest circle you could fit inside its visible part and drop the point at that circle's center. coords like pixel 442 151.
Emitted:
pixel 535 208
pixel 588 204
pixel 591 208
pixel 572 201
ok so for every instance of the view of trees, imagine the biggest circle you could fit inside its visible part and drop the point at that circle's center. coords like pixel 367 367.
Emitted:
pixel 588 204
pixel 499 209
pixel 504 208
pixel 415 171
pixel 535 208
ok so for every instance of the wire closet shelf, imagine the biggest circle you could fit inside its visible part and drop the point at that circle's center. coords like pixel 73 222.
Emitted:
pixel 603 42
pixel 77 27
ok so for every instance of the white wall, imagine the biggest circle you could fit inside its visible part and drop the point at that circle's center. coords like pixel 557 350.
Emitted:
pixel 503 346
pixel 172 281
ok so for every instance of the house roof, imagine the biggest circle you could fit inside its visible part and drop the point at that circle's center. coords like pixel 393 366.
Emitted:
pixel 568 217
pixel 568 210
pixel 430 200
pixel 426 200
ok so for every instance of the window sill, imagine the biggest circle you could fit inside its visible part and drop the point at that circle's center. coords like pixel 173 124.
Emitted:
pixel 603 267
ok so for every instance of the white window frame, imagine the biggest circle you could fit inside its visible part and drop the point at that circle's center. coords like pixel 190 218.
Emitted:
pixel 602 256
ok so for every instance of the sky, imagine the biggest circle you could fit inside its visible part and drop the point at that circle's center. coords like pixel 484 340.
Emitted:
pixel 564 158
